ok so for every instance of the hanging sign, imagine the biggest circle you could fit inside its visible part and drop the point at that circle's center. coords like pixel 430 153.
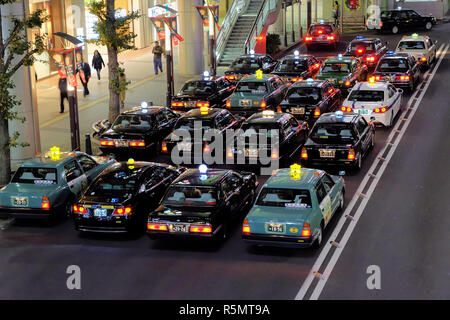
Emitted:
pixel 158 23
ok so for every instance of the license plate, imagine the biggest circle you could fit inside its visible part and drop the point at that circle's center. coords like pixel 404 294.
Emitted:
pixel 100 212
pixel 363 112
pixel 324 153
pixel 252 153
pixel 183 228
pixel 332 80
pixel 191 104
pixel 121 143
pixel 185 146
pixel 298 110
pixel 389 78
pixel 275 227
pixel 245 103
pixel 20 201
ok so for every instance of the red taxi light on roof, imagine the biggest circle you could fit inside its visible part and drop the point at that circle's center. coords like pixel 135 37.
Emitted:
pixel 108 143
pixel 157 226
pixel 306 230
pixel 45 203
pixel 138 143
pixel 296 79
pixel 370 59
pixel 200 229
pixel 360 50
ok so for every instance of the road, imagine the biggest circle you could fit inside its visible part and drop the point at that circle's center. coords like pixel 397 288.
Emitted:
pixel 402 230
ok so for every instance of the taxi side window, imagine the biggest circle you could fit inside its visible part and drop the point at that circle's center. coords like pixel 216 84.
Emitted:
pixel 274 85
pixel 86 163
pixel 320 192
pixel 361 126
pixel 156 175
pixel 161 118
pixel 392 91
pixel 235 181
pixel 226 189
pixel 328 183
pixel 72 171
pixel 169 114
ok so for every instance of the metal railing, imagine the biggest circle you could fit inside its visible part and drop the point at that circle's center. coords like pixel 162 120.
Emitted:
pixel 258 25
pixel 237 8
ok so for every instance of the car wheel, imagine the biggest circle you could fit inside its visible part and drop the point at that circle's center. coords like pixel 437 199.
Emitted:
pixel 428 25
pixel 358 164
pixel 68 207
pixel 319 237
pixel 394 29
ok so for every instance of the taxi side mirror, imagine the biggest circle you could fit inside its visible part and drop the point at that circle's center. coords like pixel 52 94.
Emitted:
pixel 372 118
pixel 400 90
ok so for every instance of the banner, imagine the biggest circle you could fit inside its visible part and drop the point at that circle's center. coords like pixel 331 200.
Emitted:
pixel 203 11
pixel 158 23
pixel 79 63
pixel 215 12
pixel 69 67
pixel 173 26
pixel 57 58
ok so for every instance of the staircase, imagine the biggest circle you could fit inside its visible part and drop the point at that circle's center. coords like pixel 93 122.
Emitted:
pixel 235 44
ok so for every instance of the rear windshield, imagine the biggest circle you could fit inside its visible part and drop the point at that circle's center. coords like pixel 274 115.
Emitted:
pixel 411 45
pixel 132 123
pixel 251 87
pixel 332 134
pixel 393 65
pixel 190 196
pixel 366 95
pixel 44 176
pixel 193 123
pixel 318 30
pixel 293 198
pixel 120 183
pixel 304 95
pixel 336 68
pixel 360 47
pixel 291 65
pixel 198 87
pixel 388 14
pixel 247 63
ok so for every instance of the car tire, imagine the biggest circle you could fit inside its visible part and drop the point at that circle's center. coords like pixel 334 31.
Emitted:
pixel 68 206
pixel 428 25
pixel 341 202
pixel 358 165
pixel 394 30
pixel 318 242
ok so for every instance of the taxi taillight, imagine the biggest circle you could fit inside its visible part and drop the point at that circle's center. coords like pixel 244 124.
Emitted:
pixel 317 112
pixel 304 154
pixel 228 103
pixel 346 109
pixel 330 38
pixel 274 154
pixel 380 110
pixel 108 143
pixel 157 226
pixel 308 38
pixel 306 230
pixel 164 148
pixel 45 204
pixel 79 209
pixel 351 154
pixel 402 78
pixel 245 227
pixel 200 228
pixel 206 149
pixel 263 103
pixel 370 59
pixel 347 83
pixel 137 143
pixel 203 104
pixel 125 211
pixel 176 104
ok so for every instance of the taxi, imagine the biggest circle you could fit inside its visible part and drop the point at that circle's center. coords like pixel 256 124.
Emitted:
pixel 293 208
pixel 322 34
pixel 249 64
pixel 343 72
pixel 256 93
pixel 379 102
pixel 421 47
pixel 48 185
pixel 202 203
pixel 204 91
pixel 120 198
pixel 369 50
pixel 296 67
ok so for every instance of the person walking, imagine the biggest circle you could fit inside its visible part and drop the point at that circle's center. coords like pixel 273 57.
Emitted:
pixel 97 63
pixel 62 93
pixel 157 53
pixel 336 13
pixel 87 75
pixel 122 78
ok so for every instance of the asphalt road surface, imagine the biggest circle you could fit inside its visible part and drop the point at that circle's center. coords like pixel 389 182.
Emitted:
pixel 403 229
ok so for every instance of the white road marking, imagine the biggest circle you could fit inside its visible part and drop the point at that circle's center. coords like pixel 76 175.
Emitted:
pixel 323 254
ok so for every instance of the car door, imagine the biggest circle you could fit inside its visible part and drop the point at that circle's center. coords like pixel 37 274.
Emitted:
pixel 431 47
pixel 75 177
pixel 395 99
pixel 231 199
pixel 324 201
pixel 90 167
pixel 241 190
pixel 414 18
pixel 363 129
pixel 332 191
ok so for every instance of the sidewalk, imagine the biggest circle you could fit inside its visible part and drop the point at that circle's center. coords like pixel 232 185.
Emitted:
pixel 145 85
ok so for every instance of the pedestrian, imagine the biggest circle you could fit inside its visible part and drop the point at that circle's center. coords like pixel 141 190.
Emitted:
pixel 122 79
pixel 336 13
pixel 97 63
pixel 87 75
pixel 157 53
pixel 62 93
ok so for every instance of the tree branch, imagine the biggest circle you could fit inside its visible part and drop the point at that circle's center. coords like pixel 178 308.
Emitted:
pixel 21 62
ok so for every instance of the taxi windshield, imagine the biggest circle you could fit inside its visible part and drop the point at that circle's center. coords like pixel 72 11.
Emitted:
pixel 256 87
pixel 246 63
pixel 120 183
pixel 192 196
pixel 366 95
pixel 304 95
pixel 393 65
pixel 318 30
pixel 332 133
pixel 335 68
pixel 411 45
pixel 292 198
pixel 198 88
pixel 132 123
pixel 361 47
pixel 41 176
pixel 291 65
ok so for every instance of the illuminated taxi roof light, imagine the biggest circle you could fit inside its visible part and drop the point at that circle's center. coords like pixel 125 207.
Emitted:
pixel 296 53
pixel 204 110
pixel 339 114
pixel 206 74
pixel 415 35
pixel 296 171
pixel 144 104
pixel 310 80
pixel 268 113
pixel 340 56
pixel 252 52
pixel 322 21
pixel 399 8
pixel 131 161
pixel 203 168
pixel 371 80
pixel 390 53
pixel 259 74
pixel 55 153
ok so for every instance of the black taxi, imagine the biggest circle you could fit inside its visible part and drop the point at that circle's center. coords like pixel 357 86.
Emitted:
pixel 248 64
pixel 322 34
pixel 203 203
pixel 297 67
pixel 369 50
pixel 338 139
pixel 307 100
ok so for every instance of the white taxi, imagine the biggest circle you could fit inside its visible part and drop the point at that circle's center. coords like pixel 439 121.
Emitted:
pixel 378 102
pixel 421 47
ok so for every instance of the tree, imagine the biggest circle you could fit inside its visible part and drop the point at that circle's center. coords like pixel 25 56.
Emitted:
pixel 114 33
pixel 15 51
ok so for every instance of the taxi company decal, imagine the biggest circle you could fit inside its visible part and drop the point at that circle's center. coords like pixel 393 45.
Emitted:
pixel 352 5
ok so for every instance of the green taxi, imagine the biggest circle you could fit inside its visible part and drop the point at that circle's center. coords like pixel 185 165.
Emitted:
pixel 293 208
pixel 49 185
pixel 343 72
pixel 256 93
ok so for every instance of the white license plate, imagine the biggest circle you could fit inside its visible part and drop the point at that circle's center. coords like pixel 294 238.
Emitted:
pixel 363 112
pixel 20 202
pixel 252 153
pixel 245 103
pixel 182 228
pixel 325 153
pixel 191 104
pixel 99 212
pixel 184 146
pixel 298 110
pixel 275 227
pixel 388 78
pixel 121 143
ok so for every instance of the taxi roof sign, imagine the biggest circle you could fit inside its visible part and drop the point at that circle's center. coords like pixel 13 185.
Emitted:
pixel 259 74
pixel 55 153
pixel 204 110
